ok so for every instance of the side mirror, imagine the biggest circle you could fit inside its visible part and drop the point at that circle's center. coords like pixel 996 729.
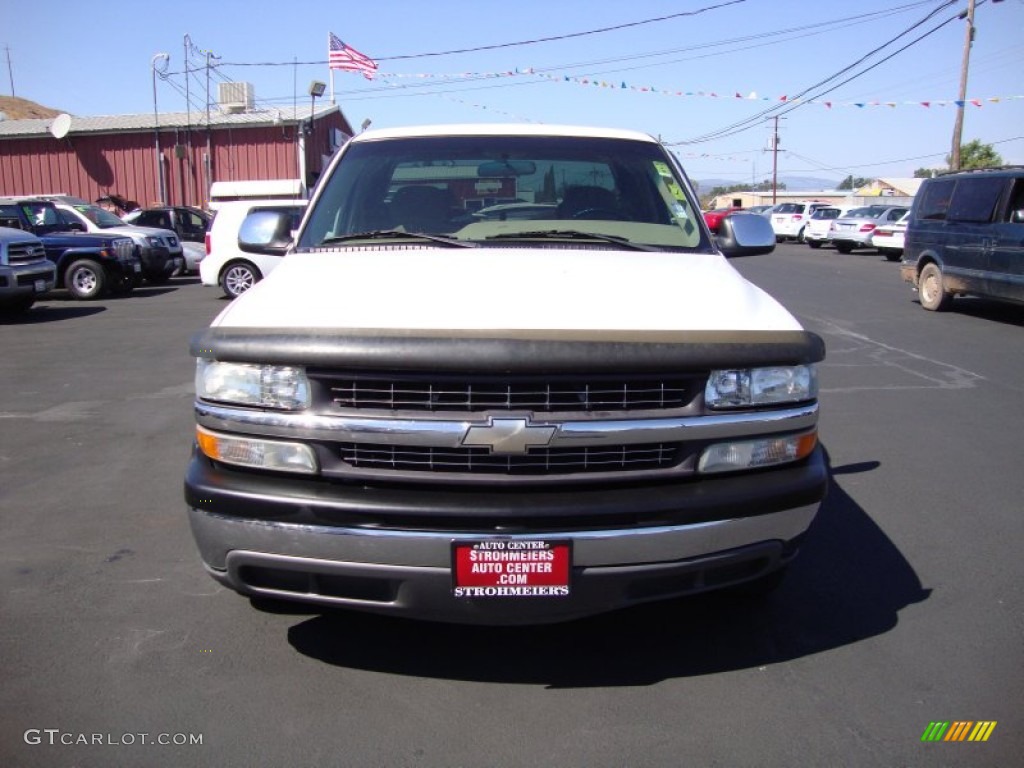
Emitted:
pixel 266 232
pixel 745 234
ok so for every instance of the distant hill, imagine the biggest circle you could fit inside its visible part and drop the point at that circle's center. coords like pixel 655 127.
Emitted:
pixel 793 183
pixel 23 109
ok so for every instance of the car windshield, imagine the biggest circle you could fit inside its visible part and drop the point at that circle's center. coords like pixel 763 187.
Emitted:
pixel 489 190
pixel 99 217
pixel 826 213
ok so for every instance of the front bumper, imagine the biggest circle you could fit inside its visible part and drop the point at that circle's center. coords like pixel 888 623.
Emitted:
pixel 388 549
pixel 20 281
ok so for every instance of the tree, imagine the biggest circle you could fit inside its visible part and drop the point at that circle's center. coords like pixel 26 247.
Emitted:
pixel 924 173
pixel 853 183
pixel 974 154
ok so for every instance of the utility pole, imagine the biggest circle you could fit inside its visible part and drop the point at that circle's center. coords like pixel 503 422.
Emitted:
pixel 775 161
pixel 208 161
pixel 10 72
pixel 958 126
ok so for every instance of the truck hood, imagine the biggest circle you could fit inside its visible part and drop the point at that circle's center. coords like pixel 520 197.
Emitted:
pixel 417 287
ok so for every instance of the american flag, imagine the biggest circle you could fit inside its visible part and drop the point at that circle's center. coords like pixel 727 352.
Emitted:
pixel 341 56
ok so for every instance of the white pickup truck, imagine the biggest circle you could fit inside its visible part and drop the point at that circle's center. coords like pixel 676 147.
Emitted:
pixel 503 375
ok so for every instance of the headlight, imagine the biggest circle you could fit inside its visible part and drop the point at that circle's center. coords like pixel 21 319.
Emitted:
pixel 761 386
pixel 256 452
pixel 153 241
pixel 267 386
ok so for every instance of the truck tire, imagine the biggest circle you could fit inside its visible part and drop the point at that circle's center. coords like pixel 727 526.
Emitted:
pixel 125 284
pixel 238 277
pixel 814 243
pixel 930 292
pixel 85 280
pixel 844 247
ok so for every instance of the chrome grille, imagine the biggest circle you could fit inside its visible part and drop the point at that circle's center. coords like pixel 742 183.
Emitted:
pixel 537 461
pixel 25 252
pixel 405 393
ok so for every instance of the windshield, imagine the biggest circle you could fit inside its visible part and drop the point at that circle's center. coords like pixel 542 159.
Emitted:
pixel 492 189
pixel 99 217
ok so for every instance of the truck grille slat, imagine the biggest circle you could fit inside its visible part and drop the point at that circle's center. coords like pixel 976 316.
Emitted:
pixel 538 461
pixel 401 394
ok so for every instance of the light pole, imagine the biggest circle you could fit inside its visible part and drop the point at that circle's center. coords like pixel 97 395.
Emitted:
pixel 161 192
pixel 316 90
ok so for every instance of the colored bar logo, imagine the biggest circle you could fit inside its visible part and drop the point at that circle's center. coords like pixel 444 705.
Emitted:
pixel 958 730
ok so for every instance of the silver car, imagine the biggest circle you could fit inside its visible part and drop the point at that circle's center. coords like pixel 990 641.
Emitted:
pixel 854 230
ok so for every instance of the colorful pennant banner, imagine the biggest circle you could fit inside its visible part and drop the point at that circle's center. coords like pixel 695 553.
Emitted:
pixel 736 95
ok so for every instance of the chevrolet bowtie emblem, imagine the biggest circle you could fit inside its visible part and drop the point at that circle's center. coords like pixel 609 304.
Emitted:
pixel 509 436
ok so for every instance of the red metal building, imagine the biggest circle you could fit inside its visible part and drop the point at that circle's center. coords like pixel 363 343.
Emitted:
pixel 95 156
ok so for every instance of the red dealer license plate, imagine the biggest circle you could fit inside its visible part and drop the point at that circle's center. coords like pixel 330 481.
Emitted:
pixel 511 568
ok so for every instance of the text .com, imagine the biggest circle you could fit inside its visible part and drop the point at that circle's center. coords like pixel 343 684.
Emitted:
pixel 55 736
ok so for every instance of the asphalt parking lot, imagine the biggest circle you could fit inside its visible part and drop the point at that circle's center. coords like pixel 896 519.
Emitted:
pixel 904 608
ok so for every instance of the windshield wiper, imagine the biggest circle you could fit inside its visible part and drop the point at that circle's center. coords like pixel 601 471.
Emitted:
pixel 397 234
pixel 570 234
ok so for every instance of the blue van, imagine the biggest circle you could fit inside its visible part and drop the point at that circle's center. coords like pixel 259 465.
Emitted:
pixel 966 236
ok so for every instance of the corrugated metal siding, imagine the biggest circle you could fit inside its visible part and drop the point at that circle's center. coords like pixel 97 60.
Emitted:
pixel 95 164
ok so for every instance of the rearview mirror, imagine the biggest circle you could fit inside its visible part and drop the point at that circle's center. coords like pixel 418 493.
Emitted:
pixel 502 168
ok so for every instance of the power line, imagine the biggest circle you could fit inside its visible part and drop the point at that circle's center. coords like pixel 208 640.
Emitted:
pixel 743 125
pixel 568 36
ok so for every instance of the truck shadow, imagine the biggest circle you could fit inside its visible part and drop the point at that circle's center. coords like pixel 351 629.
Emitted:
pixel 849 583
pixel 50 314
pixel 993 311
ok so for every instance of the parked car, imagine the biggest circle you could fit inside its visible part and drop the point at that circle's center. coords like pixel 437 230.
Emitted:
pixel 89 265
pixel 855 228
pixel 425 414
pixel 817 231
pixel 789 220
pixel 889 238
pixel 714 217
pixel 190 224
pixel 965 235
pixel 761 209
pixel 25 272
pixel 158 249
pixel 229 266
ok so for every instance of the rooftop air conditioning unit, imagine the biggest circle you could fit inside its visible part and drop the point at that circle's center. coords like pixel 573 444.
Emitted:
pixel 235 97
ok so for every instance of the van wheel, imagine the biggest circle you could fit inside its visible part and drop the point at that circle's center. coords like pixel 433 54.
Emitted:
pixel 85 280
pixel 930 291
pixel 844 247
pixel 800 236
pixel 891 255
pixel 814 243
pixel 238 277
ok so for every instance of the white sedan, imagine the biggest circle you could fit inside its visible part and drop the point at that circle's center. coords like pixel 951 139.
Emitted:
pixel 888 239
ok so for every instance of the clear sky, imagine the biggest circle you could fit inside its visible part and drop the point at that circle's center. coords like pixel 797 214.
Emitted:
pixel 95 59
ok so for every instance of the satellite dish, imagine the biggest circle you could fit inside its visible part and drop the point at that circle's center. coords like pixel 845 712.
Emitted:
pixel 61 125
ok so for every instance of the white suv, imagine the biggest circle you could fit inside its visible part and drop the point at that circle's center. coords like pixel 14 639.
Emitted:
pixel 227 265
pixel 789 220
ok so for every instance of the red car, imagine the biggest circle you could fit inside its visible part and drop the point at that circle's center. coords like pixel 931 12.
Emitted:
pixel 714 218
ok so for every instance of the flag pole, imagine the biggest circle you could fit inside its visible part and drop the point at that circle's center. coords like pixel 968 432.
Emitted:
pixel 329 68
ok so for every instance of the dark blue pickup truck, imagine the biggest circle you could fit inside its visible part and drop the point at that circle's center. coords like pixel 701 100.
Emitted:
pixel 88 265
